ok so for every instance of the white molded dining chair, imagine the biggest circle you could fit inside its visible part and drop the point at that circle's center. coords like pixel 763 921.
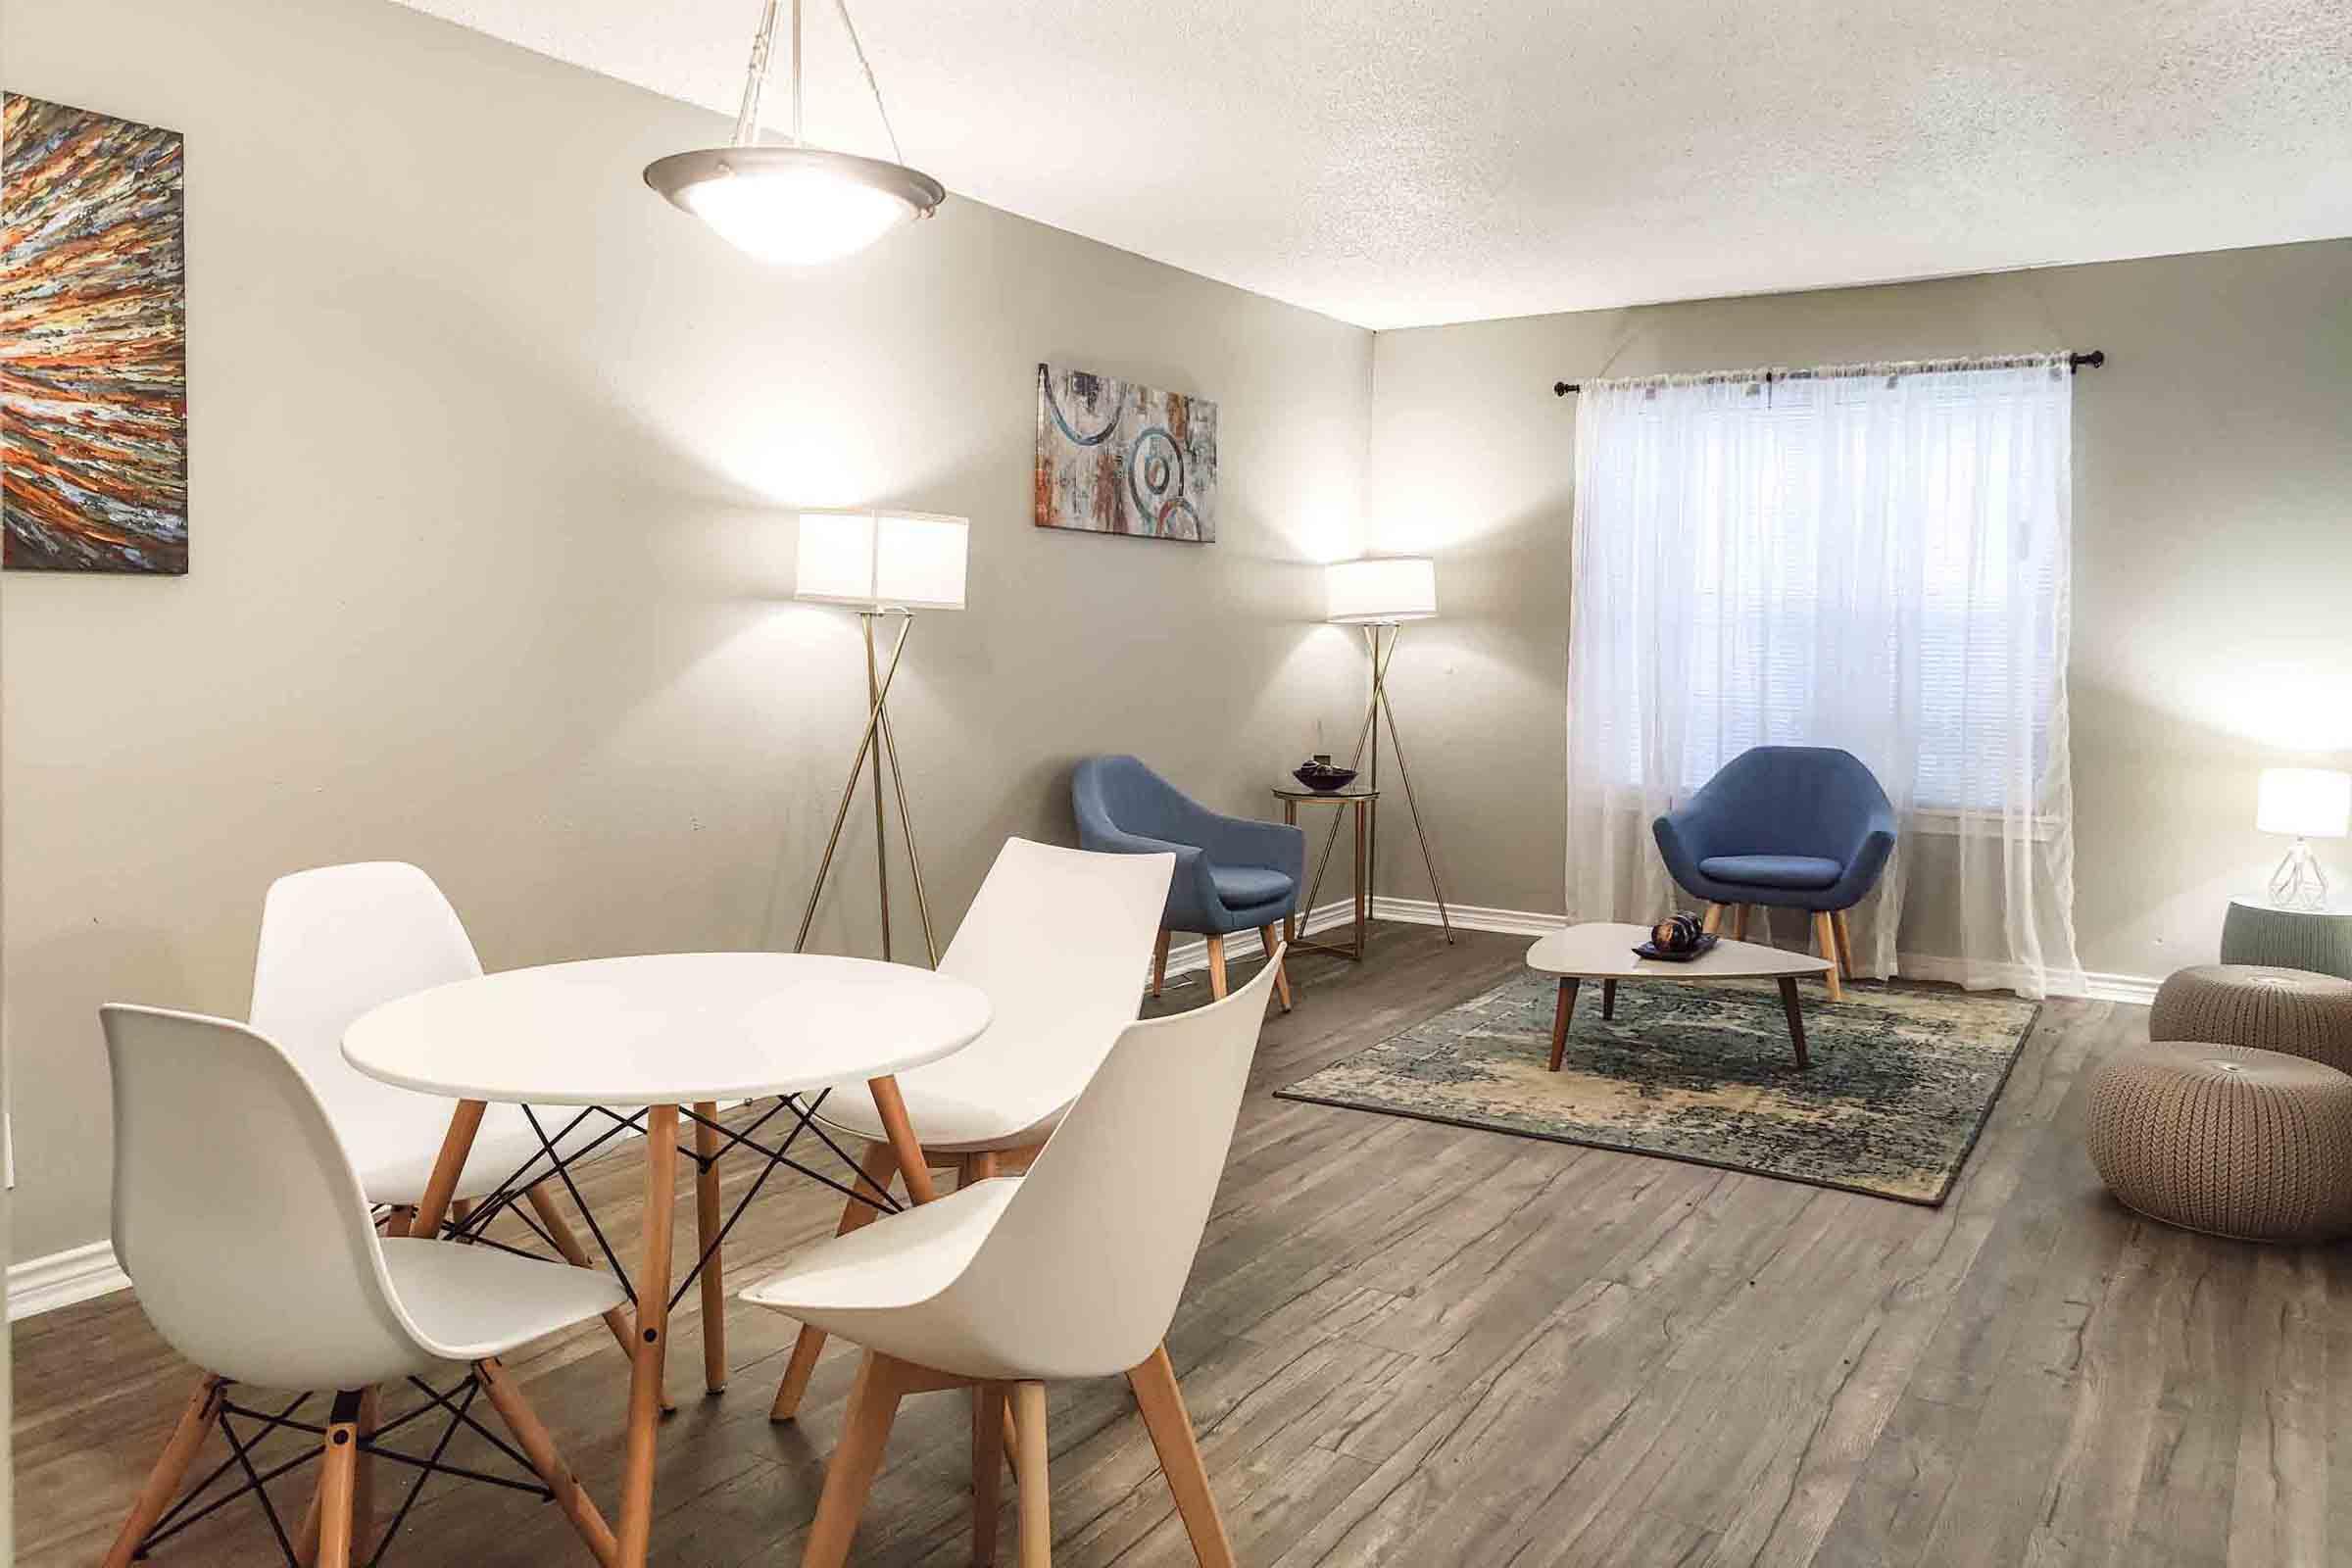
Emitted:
pixel 338 940
pixel 1059 940
pixel 253 1256
pixel 1070 1272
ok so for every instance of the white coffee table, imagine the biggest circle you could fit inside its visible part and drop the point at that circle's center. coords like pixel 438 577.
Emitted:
pixel 1605 953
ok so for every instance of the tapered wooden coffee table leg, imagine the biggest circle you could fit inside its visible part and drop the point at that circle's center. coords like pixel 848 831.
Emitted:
pixel 1796 1019
pixel 1608 998
pixel 1560 1020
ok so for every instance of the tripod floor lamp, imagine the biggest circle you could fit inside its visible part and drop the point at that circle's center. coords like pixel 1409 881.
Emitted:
pixel 1380 595
pixel 886 564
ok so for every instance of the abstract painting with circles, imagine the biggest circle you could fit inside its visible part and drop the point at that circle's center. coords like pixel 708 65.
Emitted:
pixel 1116 458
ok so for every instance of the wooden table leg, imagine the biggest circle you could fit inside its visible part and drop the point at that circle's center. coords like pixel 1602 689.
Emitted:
pixel 1608 1000
pixel 892 1108
pixel 455 1149
pixel 1796 1020
pixel 653 1333
pixel 1559 1019
pixel 707 1226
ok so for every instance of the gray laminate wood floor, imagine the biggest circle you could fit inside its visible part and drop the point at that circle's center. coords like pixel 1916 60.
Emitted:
pixel 1413 1343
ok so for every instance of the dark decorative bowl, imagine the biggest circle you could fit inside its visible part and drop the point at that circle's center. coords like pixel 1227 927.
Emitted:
pixel 1323 776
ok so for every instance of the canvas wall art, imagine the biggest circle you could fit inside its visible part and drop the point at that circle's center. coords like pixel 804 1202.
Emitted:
pixel 93 342
pixel 1116 458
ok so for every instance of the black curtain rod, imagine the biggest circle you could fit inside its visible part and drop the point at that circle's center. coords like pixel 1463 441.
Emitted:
pixel 2074 362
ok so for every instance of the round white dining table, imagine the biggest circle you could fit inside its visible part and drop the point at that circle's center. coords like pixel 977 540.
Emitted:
pixel 664 1031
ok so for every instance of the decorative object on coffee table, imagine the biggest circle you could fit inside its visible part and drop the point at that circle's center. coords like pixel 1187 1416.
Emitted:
pixel 2290 1010
pixel 1605 952
pixel 1365 804
pixel 1318 773
pixel 2303 804
pixel 1903 1077
pixel 2227 1140
pixel 2318 940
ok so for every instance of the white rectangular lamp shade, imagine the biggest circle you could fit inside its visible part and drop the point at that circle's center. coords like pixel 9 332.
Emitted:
pixel 900 560
pixel 2305 802
pixel 1389 588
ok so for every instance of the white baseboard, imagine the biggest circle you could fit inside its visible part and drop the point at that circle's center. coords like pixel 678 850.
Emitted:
pixel 77 1274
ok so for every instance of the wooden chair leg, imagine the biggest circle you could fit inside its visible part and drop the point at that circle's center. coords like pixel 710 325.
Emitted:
pixel 1282 972
pixel 1037 1512
pixel 850 1475
pixel 1846 946
pixel 540 1448
pixel 989 1417
pixel 874 1171
pixel 338 1472
pixel 1162 1404
pixel 1825 939
pixel 707 1226
pixel 195 1423
pixel 1739 915
pixel 1216 967
pixel 1712 922
pixel 363 1478
pixel 1159 961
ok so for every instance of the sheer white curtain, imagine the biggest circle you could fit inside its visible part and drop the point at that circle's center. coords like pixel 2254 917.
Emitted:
pixel 1873 557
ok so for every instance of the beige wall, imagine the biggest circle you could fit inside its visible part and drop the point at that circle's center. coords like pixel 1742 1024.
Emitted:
pixel 2213 556
pixel 492 457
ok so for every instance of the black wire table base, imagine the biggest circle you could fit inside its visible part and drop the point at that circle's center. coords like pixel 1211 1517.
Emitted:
pixel 552 1161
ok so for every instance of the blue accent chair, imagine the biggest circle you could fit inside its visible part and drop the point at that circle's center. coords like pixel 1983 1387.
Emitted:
pixel 1232 873
pixel 1789 827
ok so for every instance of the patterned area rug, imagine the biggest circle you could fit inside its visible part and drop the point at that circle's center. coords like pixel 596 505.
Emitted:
pixel 1902 1078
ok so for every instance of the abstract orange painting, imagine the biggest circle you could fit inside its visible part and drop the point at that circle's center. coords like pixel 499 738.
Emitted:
pixel 93 342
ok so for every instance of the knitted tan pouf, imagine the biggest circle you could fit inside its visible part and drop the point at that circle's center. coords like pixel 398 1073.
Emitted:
pixel 2294 1010
pixel 2225 1139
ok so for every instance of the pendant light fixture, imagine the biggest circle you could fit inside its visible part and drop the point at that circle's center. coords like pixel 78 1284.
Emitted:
pixel 795 203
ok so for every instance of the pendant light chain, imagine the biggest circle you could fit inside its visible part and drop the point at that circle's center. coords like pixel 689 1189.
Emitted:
pixel 747 119
pixel 873 87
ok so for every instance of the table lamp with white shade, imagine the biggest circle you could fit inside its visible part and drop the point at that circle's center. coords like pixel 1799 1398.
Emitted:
pixel 1379 594
pixel 882 564
pixel 2304 804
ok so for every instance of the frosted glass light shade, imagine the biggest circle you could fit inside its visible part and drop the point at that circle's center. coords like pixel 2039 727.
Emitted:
pixel 794 206
pixel 1384 589
pixel 900 560
pixel 2305 802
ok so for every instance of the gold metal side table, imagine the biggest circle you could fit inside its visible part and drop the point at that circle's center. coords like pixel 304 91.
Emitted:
pixel 1367 821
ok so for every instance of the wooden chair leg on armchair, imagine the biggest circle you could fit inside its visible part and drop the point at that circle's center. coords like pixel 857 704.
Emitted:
pixel 1159 961
pixel 1712 922
pixel 1825 938
pixel 1216 967
pixel 1271 937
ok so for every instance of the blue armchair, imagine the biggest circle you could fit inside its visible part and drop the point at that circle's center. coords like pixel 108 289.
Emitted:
pixel 1791 827
pixel 1232 873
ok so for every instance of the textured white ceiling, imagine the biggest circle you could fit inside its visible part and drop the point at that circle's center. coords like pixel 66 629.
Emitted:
pixel 1398 163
